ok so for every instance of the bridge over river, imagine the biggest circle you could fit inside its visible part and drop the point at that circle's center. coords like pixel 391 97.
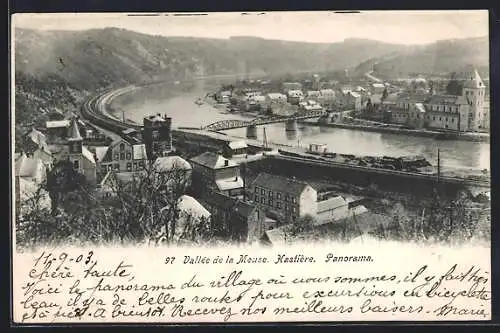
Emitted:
pixel 290 120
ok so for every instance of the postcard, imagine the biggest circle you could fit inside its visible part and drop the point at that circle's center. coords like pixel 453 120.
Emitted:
pixel 250 167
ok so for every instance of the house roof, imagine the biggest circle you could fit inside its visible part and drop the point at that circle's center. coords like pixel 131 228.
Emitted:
pixel 155 117
pixel 295 92
pixel 75 132
pixel 37 137
pixel 420 107
pixel 169 163
pixel 129 131
pixel 139 152
pixel 243 209
pixel 280 184
pixel 443 99
pixel 378 85
pixel 327 91
pixel 238 144
pixel 473 80
pixel 88 155
pixel 191 206
pixel 57 123
pixel 275 95
pixel 213 161
pixel 100 152
pixel 219 200
pixel 229 183
pixel 26 166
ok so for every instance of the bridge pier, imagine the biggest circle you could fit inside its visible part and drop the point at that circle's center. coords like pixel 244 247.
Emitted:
pixel 252 132
pixel 291 125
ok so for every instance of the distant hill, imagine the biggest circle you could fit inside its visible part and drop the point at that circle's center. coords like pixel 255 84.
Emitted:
pixel 94 58
pixel 441 57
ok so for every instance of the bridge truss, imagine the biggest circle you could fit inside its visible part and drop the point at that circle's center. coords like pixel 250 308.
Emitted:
pixel 223 125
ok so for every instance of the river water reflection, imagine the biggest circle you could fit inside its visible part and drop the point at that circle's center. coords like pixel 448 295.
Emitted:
pixel 178 103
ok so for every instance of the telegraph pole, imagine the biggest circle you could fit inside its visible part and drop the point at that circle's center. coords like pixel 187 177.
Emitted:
pixel 439 167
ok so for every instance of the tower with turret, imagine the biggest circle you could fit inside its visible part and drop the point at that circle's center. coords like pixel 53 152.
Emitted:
pixel 473 93
pixel 75 146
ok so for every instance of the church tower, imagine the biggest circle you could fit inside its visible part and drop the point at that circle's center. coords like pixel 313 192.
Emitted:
pixel 474 93
pixel 75 146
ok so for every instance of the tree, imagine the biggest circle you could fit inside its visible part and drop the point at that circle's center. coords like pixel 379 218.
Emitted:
pixel 454 86
pixel 384 95
pixel 64 182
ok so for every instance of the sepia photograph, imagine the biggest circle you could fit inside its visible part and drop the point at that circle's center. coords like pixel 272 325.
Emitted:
pixel 156 139
pixel 216 128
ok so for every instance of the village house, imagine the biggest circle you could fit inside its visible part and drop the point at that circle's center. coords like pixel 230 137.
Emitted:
pixel 236 148
pixel 74 151
pixel 35 145
pixel 275 97
pixel 287 86
pixel 242 220
pixel 288 197
pixel 377 88
pixel 59 130
pixel 121 156
pixel 327 96
pixel 215 173
pixel 349 100
pixel 314 95
pixel 295 96
pixel 174 169
pixel 223 97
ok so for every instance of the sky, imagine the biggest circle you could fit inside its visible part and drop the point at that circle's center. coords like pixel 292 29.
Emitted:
pixel 401 27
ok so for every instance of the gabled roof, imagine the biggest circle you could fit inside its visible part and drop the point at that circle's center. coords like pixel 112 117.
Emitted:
pixel 75 132
pixel 213 161
pixel 473 80
pixel 57 123
pixel 37 137
pixel 26 166
pixel 88 155
pixel 191 206
pixel 100 152
pixel 238 144
pixel 169 163
pixel 443 99
pixel 280 184
pixel 229 183
pixel 243 209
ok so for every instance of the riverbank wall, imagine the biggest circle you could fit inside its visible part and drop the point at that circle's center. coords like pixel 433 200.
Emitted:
pixel 369 179
pixel 393 130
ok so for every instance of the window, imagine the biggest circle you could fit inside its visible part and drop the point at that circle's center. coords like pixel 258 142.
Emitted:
pixel 122 146
pixel 262 191
pixel 129 166
pixel 129 156
pixel 117 156
pixel 117 167
pixel 278 205
pixel 122 156
pixel 135 166
pixel 141 164
pixel 433 118
pixel 278 196
pixel 263 200
pixel 256 199
pixel 270 194
pixel 440 118
pixel 286 207
pixel 256 190
pixel 446 118
pixel 76 165
pixel 294 209
pixel 156 135
pixel 271 202
pixel 294 200
pixel 452 120
pixel 287 197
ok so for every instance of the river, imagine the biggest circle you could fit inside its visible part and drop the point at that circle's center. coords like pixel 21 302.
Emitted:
pixel 178 102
